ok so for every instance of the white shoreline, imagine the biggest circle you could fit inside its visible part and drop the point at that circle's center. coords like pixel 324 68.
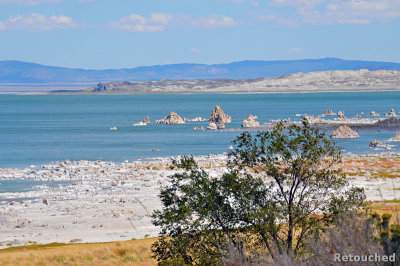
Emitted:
pixel 105 202
pixel 110 202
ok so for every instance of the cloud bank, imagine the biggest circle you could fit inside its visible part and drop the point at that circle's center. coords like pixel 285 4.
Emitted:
pixel 37 22
pixel 161 21
pixel 320 12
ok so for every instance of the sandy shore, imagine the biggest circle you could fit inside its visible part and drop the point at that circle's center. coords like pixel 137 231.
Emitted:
pixel 105 201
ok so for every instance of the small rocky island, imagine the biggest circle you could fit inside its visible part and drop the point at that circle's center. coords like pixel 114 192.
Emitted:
pixel 218 118
pixel 250 122
pixel 171 119
pixel 396 137
pixel 329 112
pixel 145 122
pixel 344 132
pixel 376 144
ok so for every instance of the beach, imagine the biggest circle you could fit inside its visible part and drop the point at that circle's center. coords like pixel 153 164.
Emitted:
pixel 104 202
pixel 107 201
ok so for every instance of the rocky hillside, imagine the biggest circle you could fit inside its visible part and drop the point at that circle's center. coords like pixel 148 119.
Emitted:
pixel 339 80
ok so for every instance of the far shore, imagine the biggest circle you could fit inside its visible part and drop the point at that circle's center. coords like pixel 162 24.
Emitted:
pixel 85 92
pixel 361 80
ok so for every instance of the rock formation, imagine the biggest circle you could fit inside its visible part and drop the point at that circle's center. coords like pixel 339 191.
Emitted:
pixel 250 122
pixel 388 122
pixel 376 144
pixel 329 112
pixel 373 113
pixel 219 117
pixel 221 125
pixel 196 119
pixel 344 132
pixel 171 118
pixel 145 122
pixel 212 126
pixel 396 137
pixel 340 114
pixel 138 124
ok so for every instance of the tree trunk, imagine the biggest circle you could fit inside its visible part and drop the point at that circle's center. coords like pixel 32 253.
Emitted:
pixel 290 230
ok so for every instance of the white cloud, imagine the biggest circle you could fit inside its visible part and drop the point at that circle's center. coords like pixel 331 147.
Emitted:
pixel 137 23
pixel 336 11
pixel 194 50
pixel 160 21
pixel 362 11
pixel 214 21
pixel 28 2
pixel 278 19
pixel 353 21
pixel 37 22
pixel 161 18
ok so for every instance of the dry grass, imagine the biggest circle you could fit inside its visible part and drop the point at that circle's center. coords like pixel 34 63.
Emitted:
pixel 134 252
pixel 386 207
pixel 378 167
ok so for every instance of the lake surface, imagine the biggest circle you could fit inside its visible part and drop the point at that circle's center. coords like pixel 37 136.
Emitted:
pixel 37 129
pixel 25 185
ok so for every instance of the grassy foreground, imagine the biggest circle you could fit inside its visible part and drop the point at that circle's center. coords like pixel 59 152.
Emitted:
pixel 133 252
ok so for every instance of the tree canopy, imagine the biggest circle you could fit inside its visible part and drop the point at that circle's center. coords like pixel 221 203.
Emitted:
pixel 280 187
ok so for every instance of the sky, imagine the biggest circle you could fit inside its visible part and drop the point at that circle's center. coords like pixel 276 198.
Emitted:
pixel 102 34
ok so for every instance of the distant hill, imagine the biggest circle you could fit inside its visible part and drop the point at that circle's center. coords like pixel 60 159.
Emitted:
pixel 30 73
pixel 318 81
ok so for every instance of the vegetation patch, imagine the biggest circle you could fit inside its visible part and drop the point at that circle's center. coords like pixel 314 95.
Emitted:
pixel 136 252
pixel 206 219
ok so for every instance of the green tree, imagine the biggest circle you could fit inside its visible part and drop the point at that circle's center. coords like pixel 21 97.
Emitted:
pixel 279 189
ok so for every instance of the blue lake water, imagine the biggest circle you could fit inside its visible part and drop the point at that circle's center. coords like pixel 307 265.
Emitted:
pixel 37 129
pixel 25 185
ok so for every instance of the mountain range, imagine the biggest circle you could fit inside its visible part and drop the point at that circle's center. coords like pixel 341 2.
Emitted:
pixel 17 72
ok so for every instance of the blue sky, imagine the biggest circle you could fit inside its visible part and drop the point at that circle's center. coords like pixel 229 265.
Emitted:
pixel 100 34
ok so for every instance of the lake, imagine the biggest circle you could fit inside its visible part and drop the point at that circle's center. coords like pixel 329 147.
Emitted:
pixel 38 129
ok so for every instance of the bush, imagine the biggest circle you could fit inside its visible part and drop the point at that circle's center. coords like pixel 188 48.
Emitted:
pixel 279 190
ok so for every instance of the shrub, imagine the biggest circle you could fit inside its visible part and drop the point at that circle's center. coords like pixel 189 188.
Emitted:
pixel 293 195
